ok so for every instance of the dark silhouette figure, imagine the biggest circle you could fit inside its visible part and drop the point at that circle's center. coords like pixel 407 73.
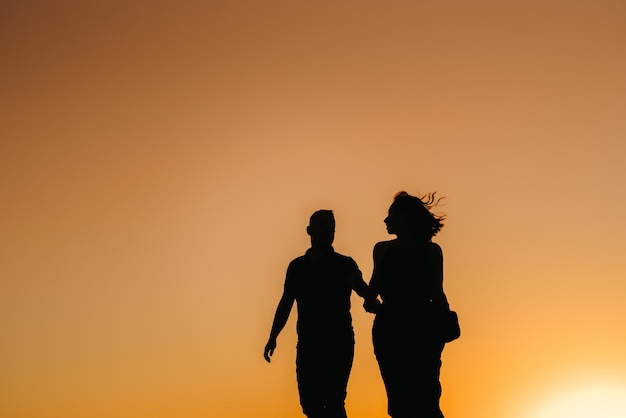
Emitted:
pixel 321 282
pixel 408 277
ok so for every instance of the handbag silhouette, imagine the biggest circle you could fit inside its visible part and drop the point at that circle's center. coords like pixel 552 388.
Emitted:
pixel 445 325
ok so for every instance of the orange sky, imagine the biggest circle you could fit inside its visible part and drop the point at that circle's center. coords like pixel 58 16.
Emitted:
pixel 159 161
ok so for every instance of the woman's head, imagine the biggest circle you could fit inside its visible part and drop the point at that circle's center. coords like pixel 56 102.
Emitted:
pixel 411 216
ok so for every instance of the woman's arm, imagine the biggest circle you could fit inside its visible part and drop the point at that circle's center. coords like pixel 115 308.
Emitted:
pixel 438 297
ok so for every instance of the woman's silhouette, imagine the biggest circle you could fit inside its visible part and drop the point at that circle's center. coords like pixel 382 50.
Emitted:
pixel 408 277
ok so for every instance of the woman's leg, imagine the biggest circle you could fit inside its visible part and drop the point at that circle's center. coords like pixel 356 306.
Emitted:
pixel 395 369
pixel 410 370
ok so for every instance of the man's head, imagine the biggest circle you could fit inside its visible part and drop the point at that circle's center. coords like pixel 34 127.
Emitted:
pixel 322 228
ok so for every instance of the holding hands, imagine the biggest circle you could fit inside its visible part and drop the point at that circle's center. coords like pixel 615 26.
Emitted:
pixel 372 305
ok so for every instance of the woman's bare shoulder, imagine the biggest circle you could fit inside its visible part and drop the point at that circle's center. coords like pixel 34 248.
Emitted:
pixel 384 244
pixel 381 247
pixel 434 249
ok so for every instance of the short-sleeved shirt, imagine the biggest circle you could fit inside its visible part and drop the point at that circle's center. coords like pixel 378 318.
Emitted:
pixel 322 288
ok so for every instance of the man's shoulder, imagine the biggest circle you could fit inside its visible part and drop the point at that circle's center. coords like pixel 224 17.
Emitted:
pixel 297 261
pixel 341 256
pixel 344 259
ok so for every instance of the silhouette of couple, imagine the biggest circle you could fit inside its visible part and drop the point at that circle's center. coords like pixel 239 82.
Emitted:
pixel 408 278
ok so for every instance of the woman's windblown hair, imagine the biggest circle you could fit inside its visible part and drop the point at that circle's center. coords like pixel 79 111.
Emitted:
pixel 417 210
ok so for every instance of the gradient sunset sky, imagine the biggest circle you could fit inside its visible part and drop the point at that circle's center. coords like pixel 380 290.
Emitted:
pixel 159 161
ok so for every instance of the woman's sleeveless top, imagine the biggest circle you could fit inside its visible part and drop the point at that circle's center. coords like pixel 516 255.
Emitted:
pixel 405 280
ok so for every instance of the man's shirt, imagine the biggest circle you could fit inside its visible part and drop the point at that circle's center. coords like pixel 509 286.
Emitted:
pixel 321 285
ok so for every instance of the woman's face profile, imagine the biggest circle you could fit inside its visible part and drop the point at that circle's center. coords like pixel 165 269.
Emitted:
pixel 395 221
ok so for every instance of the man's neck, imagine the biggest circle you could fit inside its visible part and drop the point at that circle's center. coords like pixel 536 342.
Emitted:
pixel 320 250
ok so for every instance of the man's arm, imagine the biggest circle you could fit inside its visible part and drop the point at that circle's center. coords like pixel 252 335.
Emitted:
pixel 280 319
pixel 372 304
pixel 357 283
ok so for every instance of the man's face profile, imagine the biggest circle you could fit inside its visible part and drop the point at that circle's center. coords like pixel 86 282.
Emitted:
pixel 322 230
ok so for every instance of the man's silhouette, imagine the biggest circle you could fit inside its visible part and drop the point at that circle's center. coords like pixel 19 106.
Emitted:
pixel 321 281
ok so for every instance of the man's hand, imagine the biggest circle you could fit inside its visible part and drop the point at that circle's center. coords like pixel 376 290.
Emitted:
pixel 269 349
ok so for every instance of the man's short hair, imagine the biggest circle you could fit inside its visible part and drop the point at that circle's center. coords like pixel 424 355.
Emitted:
pixel 321 217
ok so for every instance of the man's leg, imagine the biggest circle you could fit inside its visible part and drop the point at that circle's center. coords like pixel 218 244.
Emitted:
pixel 338 366
pixel 309 374
pixel 323 371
